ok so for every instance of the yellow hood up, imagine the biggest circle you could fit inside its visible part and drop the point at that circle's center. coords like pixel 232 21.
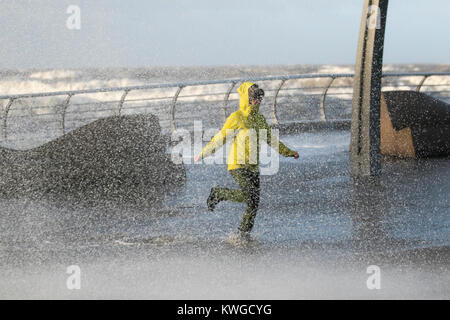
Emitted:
pixel 244 105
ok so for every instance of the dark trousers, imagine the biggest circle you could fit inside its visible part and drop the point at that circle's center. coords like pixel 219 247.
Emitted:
pixel 249 193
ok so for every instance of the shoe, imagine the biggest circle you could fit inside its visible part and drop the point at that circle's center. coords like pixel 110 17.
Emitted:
pixel 213 200
pixel 239 239
pixel 244 236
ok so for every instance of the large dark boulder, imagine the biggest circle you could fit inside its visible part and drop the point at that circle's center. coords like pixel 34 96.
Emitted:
pixel 120 157
pixel 414 124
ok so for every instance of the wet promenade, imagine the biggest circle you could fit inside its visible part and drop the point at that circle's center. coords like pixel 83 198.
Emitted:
pixel 316 233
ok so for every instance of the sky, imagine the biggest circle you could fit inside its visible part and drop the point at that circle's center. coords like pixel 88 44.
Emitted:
pixel 146 33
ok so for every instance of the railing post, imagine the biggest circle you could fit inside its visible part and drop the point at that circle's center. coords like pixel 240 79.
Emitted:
pixel 172 109
pixel 419 86
pixel 274 104
pixel 225 101
pixel 122 100
pixel 5 115
pixel 322 101
pixel 63 112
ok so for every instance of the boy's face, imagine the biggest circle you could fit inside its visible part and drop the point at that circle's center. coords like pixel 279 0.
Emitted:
pixel 254 105
pixel 255 102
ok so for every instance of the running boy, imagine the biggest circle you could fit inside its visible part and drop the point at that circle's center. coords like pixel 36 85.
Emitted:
pixel 242 163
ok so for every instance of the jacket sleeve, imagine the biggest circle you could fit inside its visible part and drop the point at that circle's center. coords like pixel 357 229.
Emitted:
pixel 228 131
pixel 282 148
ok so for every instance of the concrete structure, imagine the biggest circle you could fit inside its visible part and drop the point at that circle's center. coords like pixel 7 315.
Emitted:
pixel 414 125
pixel 119 158
pixel 365 157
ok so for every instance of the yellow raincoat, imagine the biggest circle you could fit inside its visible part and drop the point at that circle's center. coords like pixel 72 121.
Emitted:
pixel 244 126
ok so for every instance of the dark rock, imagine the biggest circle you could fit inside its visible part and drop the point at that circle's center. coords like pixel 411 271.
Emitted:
pixel 120 157
pixel 414 124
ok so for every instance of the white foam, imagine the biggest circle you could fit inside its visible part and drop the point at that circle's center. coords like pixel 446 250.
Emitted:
pixel 54 74
pixel 335 69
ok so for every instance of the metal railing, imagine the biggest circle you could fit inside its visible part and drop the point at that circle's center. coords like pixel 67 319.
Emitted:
pixel 181 85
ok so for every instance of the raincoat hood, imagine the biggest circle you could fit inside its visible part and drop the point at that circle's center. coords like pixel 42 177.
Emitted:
pixel 244 105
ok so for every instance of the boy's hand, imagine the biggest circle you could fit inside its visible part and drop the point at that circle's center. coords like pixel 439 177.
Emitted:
pixel 295 155
pixel 197 158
